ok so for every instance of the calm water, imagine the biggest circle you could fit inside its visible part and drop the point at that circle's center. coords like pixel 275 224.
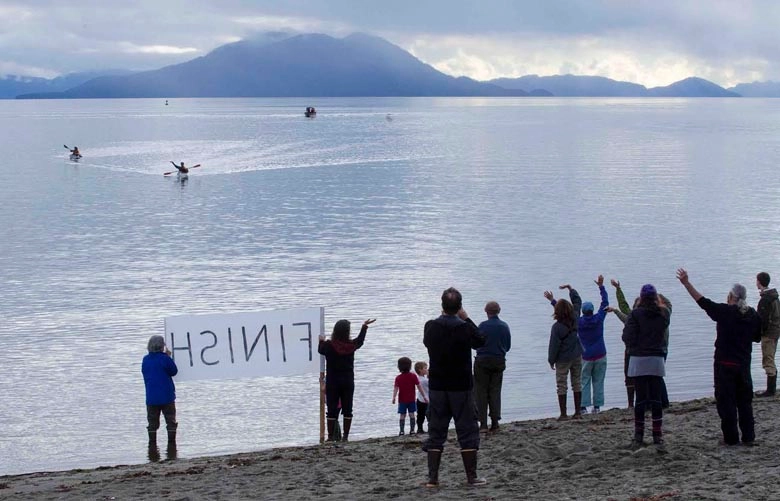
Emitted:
pixel 366 216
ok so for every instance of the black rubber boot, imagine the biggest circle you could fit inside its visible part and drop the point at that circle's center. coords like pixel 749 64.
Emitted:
pixel 470 464
pixel 434 460
pixel 331 429
pixel 771 387
pixel 152 438
pixel 171 436
pixel 347 426
pixel 577 403
pixel 630 394
pixel 562 406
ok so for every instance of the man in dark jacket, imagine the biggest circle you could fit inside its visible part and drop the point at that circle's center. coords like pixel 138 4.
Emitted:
pixel 450 339
pixel 489 366
pixel 769 311
pixel 738 326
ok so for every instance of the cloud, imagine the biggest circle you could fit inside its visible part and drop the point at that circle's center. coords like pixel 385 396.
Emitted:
pixel 14 68
pixel 131 48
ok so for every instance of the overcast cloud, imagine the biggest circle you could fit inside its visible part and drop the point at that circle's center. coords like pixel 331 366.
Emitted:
pixel 652 43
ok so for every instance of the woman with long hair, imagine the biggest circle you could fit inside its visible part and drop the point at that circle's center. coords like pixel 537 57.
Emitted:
pixel 339 352
pixel 564 353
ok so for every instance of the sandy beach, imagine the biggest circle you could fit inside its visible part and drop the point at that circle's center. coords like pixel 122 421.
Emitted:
pixel 539 459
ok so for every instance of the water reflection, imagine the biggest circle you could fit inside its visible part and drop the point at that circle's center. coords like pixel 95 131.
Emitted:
pixel 153 453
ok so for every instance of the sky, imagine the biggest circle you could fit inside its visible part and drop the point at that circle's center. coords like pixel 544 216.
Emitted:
pixel 651 42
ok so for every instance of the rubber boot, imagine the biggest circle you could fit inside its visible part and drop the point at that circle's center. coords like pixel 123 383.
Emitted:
pixel 771 387
pixel 562 406
pixel 152 438
pixel 153 453
pixel 434 460
pixel 470 464
pixel 630 393
pixel 331 429
pixel 171 436
pixel 347 426
pixel 577 403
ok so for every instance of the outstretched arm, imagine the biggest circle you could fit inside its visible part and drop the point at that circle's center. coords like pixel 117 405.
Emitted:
pixel 682 276
pixel 603 292
pixel 621 298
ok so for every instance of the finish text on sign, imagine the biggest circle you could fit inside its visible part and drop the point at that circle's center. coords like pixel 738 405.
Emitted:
pixel 235 345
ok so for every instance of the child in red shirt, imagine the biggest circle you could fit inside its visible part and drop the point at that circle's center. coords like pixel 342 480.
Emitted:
pixel 405 383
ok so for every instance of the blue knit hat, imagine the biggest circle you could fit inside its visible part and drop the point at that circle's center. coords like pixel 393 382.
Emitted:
pixel 587 306
pixel 648 290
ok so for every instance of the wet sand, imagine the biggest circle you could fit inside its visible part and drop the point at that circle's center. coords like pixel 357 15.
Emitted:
pixel 539 459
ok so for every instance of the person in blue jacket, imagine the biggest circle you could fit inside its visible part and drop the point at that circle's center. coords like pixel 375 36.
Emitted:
pixel 158 369
pixel 590 330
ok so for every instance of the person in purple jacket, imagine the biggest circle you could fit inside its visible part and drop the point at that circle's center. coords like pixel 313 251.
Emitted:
pixel 158 369
pixel 590 330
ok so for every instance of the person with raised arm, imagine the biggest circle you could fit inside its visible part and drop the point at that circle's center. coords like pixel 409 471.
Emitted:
pixel 643 335
pixel 181 168
pixel 339 352
pixel 590 331
pixel 564 351
pixel 622 313
pixel 738 326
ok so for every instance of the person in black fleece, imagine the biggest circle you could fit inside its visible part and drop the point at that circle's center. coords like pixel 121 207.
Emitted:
pixel 738 326
pixel 450 339
pixel 644 336
pixel 339 354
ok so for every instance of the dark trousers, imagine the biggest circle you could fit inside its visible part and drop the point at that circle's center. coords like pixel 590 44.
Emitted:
pixel 339 388
pixel 422 412
pixel 169 413
pixel 734 396
pixel 488 378
pixel 445 406
pixel 648 393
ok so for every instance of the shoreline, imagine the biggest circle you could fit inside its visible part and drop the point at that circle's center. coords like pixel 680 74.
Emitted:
pixel 534 459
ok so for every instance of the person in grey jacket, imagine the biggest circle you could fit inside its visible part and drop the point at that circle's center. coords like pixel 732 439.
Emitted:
pixel 564 353
pixel 769 311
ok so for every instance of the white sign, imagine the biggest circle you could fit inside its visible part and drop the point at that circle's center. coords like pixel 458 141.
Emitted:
pixel 235 345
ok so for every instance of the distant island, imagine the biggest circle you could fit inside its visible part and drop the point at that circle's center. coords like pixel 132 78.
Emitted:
pixel 316 65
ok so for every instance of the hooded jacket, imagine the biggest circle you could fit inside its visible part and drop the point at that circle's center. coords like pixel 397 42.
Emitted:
pixel 340 355
pixel 644 332
pixel 158 370
pixel 590 330
pixel 769 311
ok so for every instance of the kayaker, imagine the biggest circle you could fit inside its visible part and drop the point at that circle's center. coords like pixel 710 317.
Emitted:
pixel 75 151
pixel 181 168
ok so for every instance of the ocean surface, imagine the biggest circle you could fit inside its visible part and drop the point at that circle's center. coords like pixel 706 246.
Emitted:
pixel 369 210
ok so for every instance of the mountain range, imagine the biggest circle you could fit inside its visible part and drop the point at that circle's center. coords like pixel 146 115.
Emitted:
pixel 316 65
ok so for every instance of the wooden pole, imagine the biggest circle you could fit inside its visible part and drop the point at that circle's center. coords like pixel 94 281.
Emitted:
pixel 322 380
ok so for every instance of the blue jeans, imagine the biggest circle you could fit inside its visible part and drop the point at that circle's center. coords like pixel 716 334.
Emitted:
pixel 593 374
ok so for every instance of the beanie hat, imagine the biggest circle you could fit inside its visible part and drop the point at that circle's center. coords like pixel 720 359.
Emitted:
pixel 648 291
pixel 587 306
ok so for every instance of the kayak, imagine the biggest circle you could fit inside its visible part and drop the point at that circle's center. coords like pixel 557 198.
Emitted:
pixel 74 157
